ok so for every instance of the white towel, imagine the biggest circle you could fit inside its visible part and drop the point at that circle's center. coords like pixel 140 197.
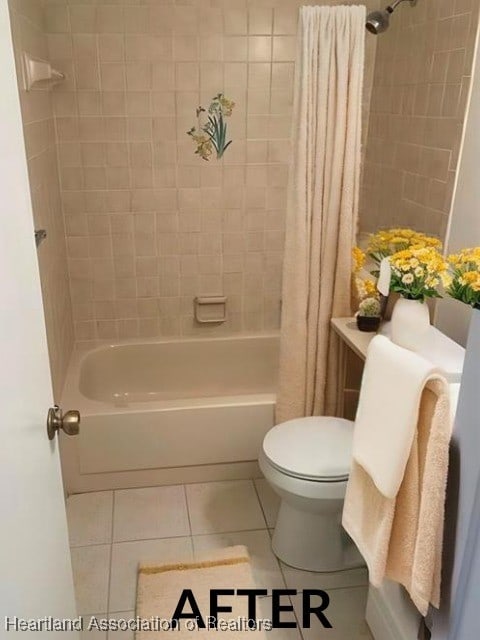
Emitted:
pixel 387 415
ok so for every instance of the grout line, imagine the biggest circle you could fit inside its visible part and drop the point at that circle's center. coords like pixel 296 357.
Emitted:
pixel 111 552
pixel 188 510
pixel 219 533
pixel 176 484
pixel 122 611
pixel 279 564
pixel 176 537
pixel 297 619
pixel 260 503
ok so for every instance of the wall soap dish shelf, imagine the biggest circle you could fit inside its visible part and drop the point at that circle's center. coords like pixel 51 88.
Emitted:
pixel 40 236
pixel 38 72
pixel 210 309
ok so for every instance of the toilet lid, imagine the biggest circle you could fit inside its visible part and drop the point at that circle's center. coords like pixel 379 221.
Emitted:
pixel 318 448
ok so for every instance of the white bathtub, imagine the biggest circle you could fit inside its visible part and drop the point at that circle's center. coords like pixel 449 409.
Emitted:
pixel 163 411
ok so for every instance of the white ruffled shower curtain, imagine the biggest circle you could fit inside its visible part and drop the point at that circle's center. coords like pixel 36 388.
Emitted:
pixel 322 205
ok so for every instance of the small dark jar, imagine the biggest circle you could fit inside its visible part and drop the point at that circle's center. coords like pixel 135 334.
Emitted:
pixel 368 323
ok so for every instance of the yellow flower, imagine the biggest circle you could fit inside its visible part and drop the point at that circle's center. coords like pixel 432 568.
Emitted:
pixel 470 278
pixel 418 269
pixel 227 106
pixel 464 282
pixel 389 241
pixel 371 288
pixel 432 282
pixel 465 258
pixel 366 288
pixel 358 257
pixel 446 280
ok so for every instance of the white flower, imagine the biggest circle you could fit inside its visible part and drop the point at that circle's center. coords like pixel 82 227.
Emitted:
pixel 419 272
pixel 408 278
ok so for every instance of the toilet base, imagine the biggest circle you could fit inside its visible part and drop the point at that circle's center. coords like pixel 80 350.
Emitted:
pixel 314 541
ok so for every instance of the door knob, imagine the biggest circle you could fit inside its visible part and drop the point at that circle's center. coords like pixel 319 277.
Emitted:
pixel 69 422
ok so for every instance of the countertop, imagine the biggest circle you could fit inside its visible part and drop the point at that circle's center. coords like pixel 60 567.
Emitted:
pixel 441 350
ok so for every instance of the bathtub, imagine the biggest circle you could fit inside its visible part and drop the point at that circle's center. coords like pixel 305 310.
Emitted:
pixel 169 410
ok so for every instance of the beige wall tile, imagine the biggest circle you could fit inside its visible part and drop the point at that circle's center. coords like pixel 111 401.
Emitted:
pixel 422 65
pixel 149 224
pixel 260 21
pixel 38 113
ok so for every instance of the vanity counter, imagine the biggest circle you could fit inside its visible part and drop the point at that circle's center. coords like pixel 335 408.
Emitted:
pixel 444 352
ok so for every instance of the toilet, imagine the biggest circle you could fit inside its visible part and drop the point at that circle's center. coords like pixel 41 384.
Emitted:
pixel 307 461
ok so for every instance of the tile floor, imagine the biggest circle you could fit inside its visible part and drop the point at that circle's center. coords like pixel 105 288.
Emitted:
pixel 112 531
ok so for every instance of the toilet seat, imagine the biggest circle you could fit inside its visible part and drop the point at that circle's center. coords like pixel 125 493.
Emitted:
pixel 318 449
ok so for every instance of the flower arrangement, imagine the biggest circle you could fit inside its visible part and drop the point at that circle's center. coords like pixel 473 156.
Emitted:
pixel 465 280
pixel 417 272
pixel 212 134
pixel 392 243
pixel 387 242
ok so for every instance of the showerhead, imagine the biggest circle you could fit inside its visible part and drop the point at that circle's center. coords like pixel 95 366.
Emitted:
pixel 379 21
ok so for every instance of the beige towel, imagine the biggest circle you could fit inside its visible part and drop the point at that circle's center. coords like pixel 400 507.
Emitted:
pixel 401 538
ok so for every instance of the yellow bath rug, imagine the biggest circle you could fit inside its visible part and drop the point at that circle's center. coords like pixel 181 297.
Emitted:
pixel 176 601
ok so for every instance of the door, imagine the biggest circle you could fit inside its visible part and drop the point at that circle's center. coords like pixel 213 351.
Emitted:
pixel 35 569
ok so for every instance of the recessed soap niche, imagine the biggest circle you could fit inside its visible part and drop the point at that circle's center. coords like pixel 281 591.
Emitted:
pixel 210 309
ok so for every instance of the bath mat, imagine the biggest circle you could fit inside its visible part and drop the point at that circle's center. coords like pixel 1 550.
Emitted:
pixel 160 588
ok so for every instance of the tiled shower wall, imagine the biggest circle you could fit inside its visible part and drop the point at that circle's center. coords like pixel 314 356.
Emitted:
pixel 150 225
pixel 422 77
pixel 38 121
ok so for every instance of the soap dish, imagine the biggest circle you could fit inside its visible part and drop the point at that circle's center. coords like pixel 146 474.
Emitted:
pixel 210 309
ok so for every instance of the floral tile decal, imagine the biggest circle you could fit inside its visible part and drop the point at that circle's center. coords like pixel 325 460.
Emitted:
pixel 211 132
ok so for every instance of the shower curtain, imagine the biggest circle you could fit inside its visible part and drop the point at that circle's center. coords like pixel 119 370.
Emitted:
pixel 322 205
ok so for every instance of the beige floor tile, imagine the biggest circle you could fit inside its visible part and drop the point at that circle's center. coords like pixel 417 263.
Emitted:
pixel 89 518
pixel 93 634
pixel 346 614
pixel 297 579
pixel 216 507
pixel 265 611
pixel 125 559
pixel 265 567
pixel 90 574
pixel 121 634
pixel 154 512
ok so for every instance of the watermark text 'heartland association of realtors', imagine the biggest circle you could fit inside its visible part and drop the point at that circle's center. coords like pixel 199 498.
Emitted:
pixel 188 615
